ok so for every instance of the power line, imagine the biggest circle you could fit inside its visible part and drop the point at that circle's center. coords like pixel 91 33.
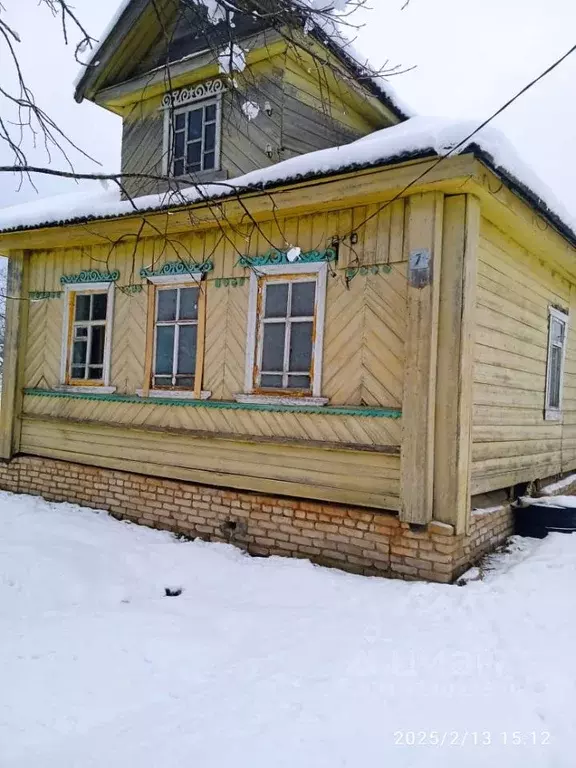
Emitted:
pixel 463 142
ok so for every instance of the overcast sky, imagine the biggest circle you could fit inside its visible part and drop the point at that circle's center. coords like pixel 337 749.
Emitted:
pixel 469 58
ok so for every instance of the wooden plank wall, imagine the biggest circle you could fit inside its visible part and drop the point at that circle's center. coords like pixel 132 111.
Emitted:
pixel 363 362
pixel 365 316
pixel 304 118
pixel 512 443
pixel 342 476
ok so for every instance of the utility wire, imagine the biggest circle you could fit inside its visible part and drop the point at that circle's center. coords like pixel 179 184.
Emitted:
pixel 463 142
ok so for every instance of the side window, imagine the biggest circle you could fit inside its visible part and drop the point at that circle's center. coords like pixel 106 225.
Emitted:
pixel 286 329
pixel 195 139
pixel 557 331
pixel 87 354
pixel 175 338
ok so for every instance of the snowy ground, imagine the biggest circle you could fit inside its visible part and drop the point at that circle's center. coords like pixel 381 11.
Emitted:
pixel 272 663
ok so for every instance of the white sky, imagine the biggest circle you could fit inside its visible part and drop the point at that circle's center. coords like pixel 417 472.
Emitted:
pixel 470 57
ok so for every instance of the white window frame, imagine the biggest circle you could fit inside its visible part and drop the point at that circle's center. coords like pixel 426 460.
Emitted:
pixel 192 280
pixel 168 137
pixel 553 413
pixel 320 271
pixel 69 293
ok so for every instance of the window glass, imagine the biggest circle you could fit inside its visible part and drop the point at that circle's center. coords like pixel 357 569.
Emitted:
pixel 276 300
pixel 194 124
pixel 303 296
pixel 99 305
pixel 164 349
pixel 210 137
pixel 300 358
pixel 82 307
pixel 187 348
pixel 273 347
pixel 188 304
pixel 271 382
pixel 555 376
pixel 298 382
pixel 167 304
pixel 179 142
pixel 97 345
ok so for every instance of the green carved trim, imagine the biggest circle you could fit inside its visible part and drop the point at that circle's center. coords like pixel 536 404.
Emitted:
pixel 38 295
pixel 223 405
pixel 91 276
pixel 178 268
pixel 373 269
pixel 232 282
pixel 130 288
pixel 275 257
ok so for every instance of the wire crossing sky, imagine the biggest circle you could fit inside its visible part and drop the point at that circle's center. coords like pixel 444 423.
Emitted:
pixel 467 64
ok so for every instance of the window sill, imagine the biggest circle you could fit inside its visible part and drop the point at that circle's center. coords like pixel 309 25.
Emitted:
pixel 175 394
pixel 550 414
pixel 280 400
pixel 95 390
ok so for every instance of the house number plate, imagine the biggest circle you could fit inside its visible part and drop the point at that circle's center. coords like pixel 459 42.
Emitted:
pixel 420 268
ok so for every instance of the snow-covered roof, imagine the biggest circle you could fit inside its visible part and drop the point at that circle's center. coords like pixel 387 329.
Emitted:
pixel 415 138
pixel 324 27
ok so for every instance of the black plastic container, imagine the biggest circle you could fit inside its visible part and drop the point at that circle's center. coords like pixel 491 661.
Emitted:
pixel 538 520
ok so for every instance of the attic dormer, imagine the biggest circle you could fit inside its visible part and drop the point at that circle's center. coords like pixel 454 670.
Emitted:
pixel 204 101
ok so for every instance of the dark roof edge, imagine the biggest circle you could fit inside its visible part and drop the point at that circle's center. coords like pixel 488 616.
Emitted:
pixel 524 192
pixel 82 85
pixel 363 77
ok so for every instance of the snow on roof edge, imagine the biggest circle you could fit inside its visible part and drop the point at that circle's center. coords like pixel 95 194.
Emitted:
pixel 414 138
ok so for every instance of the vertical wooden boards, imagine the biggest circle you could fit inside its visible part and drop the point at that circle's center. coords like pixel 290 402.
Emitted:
pixel 14 348
pixel 424 239
pixel 453 447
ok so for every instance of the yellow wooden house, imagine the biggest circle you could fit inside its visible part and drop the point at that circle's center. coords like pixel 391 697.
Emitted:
pixel 308 328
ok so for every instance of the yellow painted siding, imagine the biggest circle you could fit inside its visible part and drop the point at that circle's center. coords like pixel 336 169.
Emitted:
pixel 513 443
pixel 365 315
pixel 336 458
pixel 351 477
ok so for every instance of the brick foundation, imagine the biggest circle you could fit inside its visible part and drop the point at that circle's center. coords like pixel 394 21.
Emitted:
pixel 355 539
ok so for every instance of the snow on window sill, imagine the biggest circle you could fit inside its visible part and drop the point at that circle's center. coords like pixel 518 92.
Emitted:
pixel 174 394
pixel 280 400
pixel 85 390
pixel 552 414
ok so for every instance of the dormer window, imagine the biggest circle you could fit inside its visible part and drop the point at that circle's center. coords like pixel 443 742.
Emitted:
pixel 195 138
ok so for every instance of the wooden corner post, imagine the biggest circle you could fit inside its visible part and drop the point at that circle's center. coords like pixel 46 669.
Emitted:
pixel 14 353
pixel 424 245
pixel 453 442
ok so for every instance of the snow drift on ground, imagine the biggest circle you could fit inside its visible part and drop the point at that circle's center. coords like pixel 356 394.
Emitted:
pixel 418 134
pixel 271 663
